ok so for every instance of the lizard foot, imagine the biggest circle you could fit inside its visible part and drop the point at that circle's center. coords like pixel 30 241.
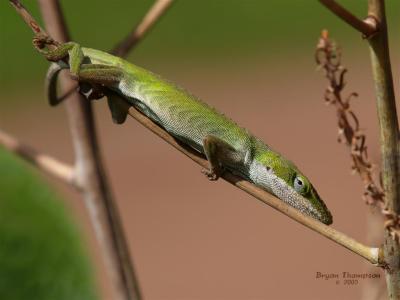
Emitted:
pixel 40 41
pixel 211 175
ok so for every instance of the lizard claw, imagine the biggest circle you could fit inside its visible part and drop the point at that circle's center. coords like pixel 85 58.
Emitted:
pixel 211 175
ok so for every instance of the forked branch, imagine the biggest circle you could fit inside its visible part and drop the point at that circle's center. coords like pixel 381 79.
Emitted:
pixel 90 175
pixel 367 27
pixel 42 161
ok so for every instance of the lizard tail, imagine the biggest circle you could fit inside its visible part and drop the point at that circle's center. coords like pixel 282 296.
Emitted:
pixel 51 84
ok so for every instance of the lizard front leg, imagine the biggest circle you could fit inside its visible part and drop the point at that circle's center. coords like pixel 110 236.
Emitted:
pixel 58 55
pixel 219 154
pixel 71 50
pixel 96 75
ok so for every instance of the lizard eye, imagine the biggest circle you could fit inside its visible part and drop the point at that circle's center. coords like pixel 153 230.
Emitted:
pixel 298 184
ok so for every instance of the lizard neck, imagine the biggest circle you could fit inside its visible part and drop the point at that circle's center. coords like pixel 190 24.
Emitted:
pixel 248 167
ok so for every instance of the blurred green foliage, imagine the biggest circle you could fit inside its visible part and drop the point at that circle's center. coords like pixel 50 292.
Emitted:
pixel 41 256
pixel 204 31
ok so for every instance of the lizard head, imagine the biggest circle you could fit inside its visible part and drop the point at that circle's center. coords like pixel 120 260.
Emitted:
pixel 272 172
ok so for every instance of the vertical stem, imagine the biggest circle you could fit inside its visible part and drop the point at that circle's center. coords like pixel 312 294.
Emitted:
pixel 389 135
pixel 91 176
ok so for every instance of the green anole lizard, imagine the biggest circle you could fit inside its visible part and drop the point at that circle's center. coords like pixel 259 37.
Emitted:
pixel 191 121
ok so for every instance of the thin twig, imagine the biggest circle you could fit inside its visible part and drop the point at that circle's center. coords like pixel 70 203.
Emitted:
pixel 152 16
pixel 370 254
pixel 27 17
pixel 42 161
pixel 90 176
pixel 368 27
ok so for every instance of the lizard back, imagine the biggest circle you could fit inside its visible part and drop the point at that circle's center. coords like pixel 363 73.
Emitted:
pixel 182 114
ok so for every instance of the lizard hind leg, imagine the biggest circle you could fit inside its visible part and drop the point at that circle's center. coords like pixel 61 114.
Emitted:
pixel 99 74
pixel 218 153
pixel 71 50
pixel 118 107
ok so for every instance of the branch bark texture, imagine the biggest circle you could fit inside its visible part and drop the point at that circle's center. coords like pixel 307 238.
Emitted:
pixel 389 136
pixel 91 177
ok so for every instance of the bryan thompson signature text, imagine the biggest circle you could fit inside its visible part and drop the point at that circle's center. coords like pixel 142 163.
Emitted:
pixel 346 275
pixel 346 278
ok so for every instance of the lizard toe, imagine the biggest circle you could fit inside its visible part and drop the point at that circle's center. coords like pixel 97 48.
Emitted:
pixel 211 175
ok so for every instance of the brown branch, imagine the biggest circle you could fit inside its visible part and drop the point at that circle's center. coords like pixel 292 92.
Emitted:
pixel 368 253
pixel 389 136
pixel 328 57
pixel 42 161
pixel 90 176
pixel 368 27
pixel 152 16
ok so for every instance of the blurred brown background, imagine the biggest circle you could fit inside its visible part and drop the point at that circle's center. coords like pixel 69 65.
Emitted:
pixel 192 239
